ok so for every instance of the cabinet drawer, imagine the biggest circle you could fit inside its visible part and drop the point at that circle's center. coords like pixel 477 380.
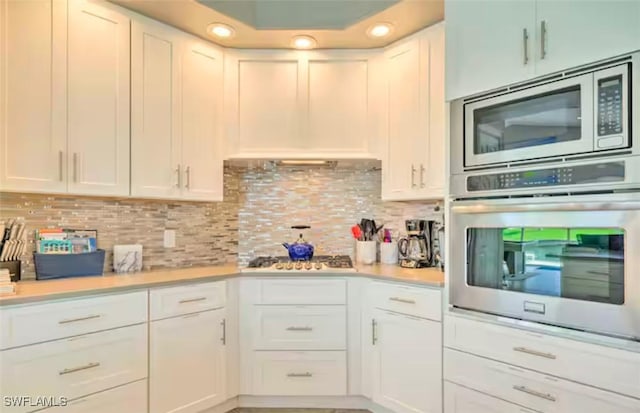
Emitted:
pixel 531 389
pixel 300 373
pixel 192 298
pixel 458 399
pixel 297 291
pixel 130 398
pixel 604 367
pixel 42 322
pixel 77 366
pixel 416 301
pixel 299 327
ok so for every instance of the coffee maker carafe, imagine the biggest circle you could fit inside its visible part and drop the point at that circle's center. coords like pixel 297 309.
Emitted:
pixel 416 249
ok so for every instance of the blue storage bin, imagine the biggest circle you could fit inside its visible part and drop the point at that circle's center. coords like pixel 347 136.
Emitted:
pixel 50 266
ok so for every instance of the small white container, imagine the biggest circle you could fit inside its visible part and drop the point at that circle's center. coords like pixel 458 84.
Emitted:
pixel 366 252
pixel 389 252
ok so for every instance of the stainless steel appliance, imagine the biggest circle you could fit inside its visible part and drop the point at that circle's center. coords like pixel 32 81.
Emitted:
pixel 570 261
pixel 417 250
pixel 572 129
pixel 319 264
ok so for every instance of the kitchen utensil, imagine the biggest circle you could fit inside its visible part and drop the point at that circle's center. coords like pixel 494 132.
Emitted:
pixel 300 250
pixel 357 232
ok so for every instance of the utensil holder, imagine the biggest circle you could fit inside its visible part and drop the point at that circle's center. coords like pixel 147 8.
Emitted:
pixel 50 266
pixel 366 252
pixel 389 252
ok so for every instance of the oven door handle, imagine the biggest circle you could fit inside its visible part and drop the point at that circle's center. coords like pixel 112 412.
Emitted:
pixel 572 206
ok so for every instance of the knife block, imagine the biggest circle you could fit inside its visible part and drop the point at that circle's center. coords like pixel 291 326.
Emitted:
pixel 14 267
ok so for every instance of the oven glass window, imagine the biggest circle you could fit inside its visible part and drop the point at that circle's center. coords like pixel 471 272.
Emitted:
pixel 533 121
pixel 580 263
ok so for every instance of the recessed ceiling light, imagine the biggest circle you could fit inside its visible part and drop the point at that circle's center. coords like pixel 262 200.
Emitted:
pixel 380 30
pixel 303 42
pixel 224 31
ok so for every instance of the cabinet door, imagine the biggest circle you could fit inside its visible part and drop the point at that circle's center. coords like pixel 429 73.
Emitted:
pixel 187 362
pixel 33 95
pixel 458 399
pixel 263 100
pixel 407 363
pixel 155 115
pixel 202 122
pixel 576 32
pixel 338 106
pixel 487 46
pixel 98 99
pixel 400 171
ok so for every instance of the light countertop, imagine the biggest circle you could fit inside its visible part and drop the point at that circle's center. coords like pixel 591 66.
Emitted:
pixel 32 291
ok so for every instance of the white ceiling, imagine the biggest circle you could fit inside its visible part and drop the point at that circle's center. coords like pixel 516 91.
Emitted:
pixel 335 24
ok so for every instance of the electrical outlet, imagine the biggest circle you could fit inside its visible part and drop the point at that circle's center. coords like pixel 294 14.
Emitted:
pixel 169 238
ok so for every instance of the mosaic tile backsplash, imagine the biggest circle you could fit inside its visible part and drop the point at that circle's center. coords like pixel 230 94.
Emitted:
pixel 260 204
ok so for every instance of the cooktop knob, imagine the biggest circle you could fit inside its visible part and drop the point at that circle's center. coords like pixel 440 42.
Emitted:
pixel 298 265
pixel 308 266
pixel 318 266
pixel 289 266
pixel 279 266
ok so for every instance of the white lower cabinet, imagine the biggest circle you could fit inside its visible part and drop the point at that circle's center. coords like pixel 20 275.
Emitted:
pixel 130 398
pixel 300 373
pixel 459 399
pixel 407 363
pixel 187 362
pixel 76 366
pixel 536 391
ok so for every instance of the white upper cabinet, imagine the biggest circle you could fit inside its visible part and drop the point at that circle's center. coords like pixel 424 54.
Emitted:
pixel 98 99
pixel 176 124
pixel 413 155
pixel 574 32
pixel 33 139
pixel 491 44
pixel 299 104
pixel 155 119
pixel 202 125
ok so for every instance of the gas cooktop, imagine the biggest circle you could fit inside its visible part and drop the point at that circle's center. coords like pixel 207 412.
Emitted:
pixel 319 263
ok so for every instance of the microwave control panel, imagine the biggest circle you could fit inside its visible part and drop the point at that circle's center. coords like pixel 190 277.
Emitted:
pixel 573 175
pixel 610 106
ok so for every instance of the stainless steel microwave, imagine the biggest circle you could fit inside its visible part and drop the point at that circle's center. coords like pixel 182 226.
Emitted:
pixel 565 118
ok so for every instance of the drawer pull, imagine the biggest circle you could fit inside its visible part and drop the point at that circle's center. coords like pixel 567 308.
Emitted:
pixel 192 300
pixel 223 323
pixel 374 332
pixel 75 369
pixel 307 374
pixel 527 390
pixel 402 300
pixel 535 353
pixel 73 320
pixel 299 329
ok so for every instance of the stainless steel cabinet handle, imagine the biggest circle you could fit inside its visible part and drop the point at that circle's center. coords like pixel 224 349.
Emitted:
pixel 525 40
pixel 179 174
pixel 75 369
pixel 374 332
pixel 535 353
pixel 402 300
pixel 543 39
pixel 188 173
pixel 75 167
pixel 224 332
pixel 192 300
pixel 527 390
pixel 299 329
pixel 413 176
pixel 73 320
pixel 422 169
pixel 307 374
pixel 60 163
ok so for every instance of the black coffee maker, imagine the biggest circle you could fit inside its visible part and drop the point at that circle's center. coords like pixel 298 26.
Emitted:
pixel 416 250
